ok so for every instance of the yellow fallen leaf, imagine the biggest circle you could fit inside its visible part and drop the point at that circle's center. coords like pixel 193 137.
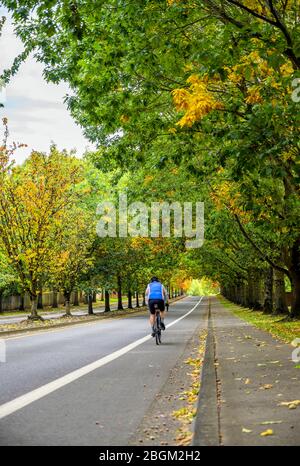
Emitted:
pixel 267 432
pixel 246 431
pixel 264 423
pixel 247 381
pixel 267 386
pixel 290 404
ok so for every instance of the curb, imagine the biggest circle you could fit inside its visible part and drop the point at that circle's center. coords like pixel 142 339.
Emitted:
pixel 94 318
pixel 206 427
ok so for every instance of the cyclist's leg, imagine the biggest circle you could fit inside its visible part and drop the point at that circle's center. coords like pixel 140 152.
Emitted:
pixel 152 319
pixel 162 314
pixel 152 314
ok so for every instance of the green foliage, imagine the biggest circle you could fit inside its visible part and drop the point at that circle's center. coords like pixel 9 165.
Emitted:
pixel 143 76
pixel 202 287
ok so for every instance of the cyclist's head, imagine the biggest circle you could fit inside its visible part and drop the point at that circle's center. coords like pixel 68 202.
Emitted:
pixel 154 279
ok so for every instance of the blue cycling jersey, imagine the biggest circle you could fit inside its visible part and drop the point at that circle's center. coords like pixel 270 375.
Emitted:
pixel 156 290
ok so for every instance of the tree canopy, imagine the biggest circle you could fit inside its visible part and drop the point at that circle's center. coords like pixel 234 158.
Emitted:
pixel 189 100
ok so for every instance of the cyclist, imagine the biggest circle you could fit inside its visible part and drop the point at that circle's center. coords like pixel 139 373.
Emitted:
pixel 156 294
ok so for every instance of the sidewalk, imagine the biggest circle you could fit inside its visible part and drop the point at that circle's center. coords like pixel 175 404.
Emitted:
pixel 247 373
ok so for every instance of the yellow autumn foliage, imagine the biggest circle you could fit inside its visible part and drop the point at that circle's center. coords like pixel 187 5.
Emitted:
pixel 253 72
pixel 195 102
pixel 253 95
pixel 225 194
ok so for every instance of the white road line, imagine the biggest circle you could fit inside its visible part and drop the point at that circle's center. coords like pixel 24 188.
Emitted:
pixel 185 315
pixel 20 402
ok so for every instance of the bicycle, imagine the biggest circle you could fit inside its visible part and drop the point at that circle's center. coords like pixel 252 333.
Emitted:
pixel 157 325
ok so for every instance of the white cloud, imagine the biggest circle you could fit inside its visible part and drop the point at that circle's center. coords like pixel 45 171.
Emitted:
pixel 35 110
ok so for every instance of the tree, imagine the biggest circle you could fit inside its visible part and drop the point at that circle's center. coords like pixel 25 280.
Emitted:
pixel 226 67
pixel 73 252
pixel 33 200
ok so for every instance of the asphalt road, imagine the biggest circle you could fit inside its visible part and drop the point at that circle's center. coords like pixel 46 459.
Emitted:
pixel 89 384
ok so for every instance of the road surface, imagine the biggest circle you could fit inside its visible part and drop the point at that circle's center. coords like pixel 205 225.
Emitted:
pixel 89 384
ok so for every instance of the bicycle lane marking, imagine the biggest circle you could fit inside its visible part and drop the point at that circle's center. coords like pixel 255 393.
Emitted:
pixel 24 400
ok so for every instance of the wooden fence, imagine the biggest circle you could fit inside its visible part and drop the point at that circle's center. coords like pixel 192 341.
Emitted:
pixel 15 303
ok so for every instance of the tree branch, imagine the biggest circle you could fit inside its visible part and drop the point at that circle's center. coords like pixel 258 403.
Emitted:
pixel 263 256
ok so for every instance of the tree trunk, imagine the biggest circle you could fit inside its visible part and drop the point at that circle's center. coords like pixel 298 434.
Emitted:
pixel 76 298
pixel 102 294
pixel 1 307
pixel 243 294
pixel 67 295
pixel 250 290
pixel 90 304
pixel 54 299
pixel 144 299
pixel 107 304
pixel 295 310
pixel 137 302
pixel 34 314
pixel 295 279
pixel 280 306
pixel 40 299
pixel 94 297
pixel 268 300
pixel 257 305
pixel 129 299
pixel 22 302
pixel 120 303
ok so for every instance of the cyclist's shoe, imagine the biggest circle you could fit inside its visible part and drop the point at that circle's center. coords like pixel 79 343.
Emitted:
pixel 162 325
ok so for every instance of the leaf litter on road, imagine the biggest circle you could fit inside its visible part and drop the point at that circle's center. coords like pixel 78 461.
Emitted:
pixel 267 432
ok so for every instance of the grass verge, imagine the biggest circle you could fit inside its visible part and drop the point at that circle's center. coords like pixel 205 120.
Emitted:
pixel 276 325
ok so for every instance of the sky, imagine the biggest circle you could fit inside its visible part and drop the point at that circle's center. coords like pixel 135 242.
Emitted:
pixel 35 110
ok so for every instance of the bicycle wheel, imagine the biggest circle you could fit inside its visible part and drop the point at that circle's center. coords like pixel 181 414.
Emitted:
pixel 159 337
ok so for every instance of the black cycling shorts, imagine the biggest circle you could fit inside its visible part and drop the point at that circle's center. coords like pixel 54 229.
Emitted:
pixel 160 304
